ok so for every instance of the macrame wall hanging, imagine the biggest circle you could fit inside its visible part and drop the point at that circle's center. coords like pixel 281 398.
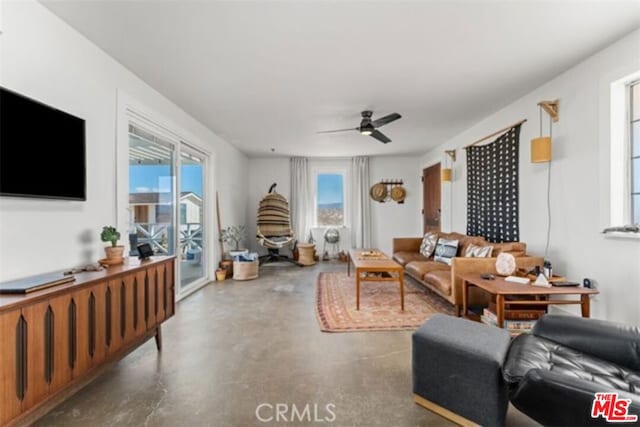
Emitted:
pixel 492 188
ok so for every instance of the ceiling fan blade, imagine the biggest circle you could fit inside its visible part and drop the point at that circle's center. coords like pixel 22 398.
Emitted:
pixel 386 119
pixel 337 130
pixel 380 136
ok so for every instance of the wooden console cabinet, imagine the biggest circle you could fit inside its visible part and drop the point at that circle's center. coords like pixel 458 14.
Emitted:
pixel 52 340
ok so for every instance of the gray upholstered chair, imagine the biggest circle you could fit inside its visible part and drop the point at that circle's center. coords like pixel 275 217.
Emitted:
pixel 457 370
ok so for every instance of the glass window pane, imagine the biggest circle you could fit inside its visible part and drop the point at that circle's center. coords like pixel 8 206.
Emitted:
pixel 636 209
pixel 635 170
pixel 635 101
pixel 330 199
pixel 635 139
pixel 192 247
pixel 151 180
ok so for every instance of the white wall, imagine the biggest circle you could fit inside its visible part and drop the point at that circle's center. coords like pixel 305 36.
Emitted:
pixel 580 176
pixel 388 219
pixel 43 58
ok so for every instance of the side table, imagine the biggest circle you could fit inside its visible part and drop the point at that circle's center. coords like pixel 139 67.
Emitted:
pixel 305 253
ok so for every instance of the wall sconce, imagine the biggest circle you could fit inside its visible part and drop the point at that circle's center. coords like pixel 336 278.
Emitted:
pixel 446 174
pixel 541 146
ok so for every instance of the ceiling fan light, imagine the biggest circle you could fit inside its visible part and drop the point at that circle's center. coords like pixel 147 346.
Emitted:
pixel 366 131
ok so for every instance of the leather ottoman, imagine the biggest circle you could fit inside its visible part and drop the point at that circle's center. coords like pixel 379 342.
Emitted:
pixel 457 370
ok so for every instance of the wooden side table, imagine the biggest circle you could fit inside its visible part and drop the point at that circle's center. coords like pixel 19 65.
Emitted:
pixel 531 295
pixel 305 253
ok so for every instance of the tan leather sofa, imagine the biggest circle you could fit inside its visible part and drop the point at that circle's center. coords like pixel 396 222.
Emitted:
pixel 445 280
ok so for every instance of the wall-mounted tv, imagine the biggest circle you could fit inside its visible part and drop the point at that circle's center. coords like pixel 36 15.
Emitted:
pixel 42 150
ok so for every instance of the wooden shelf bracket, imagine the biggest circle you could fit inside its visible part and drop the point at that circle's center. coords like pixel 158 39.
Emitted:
pixel 551 108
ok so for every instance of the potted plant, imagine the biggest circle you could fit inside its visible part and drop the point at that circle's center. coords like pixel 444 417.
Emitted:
pixel 110 234
pixel 221 274
pixel 234 235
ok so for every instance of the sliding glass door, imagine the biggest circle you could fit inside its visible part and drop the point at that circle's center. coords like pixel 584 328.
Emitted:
pixel 151 191
pixel 167 199
pixel 191 217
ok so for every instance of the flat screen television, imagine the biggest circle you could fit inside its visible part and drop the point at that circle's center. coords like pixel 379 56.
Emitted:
pixel 42 150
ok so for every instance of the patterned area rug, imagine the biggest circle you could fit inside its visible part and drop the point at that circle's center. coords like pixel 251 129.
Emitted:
pixel 379 305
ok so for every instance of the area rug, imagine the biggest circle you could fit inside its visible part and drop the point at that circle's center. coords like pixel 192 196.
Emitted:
pixel 379 305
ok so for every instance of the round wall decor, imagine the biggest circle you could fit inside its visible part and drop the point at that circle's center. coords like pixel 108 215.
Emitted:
pixel 378 192
pixel 398 194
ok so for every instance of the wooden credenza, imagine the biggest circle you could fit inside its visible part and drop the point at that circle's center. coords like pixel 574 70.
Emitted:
pixel 53 340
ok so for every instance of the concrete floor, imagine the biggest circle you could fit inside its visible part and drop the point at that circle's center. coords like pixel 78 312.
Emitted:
pixel 236 345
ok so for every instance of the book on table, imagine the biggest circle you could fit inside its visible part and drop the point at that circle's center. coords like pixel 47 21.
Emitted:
pixel 532 312
pixel 515 322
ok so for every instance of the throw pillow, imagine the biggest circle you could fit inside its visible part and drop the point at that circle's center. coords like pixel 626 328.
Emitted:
pixel 475 251
pixel 445 250
pixel 428 244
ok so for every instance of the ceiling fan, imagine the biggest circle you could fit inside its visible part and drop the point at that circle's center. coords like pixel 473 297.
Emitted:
pixel 370 127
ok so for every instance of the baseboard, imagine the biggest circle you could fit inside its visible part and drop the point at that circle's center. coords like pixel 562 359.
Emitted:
pixel 443 412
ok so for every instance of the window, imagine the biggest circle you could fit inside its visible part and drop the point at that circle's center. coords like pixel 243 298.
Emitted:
pixel 183 213
pixel 634 134
pixel 624 160
pixel 329 205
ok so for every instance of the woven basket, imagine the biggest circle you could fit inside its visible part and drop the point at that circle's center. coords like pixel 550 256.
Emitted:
pixel 245 270
pixel 306 252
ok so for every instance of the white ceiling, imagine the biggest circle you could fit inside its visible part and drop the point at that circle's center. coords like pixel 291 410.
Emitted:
pixel 269 74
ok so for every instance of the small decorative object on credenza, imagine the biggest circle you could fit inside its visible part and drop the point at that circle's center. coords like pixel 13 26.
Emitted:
pixel 115 251
pixel 144 251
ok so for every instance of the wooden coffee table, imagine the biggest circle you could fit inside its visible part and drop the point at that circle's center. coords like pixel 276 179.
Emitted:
pixel 388 269
pixel 537 295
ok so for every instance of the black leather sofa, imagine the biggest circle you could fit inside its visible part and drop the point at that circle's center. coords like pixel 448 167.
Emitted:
pixel 553 373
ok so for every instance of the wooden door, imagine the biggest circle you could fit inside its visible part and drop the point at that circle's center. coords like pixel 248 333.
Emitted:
pixel 152 288
pixel 129 307
pixel 161 298
pixel 431 207
pixel 83 332
pixel 114 337
pixel 62 366
pixel 141 303
pixel 38 353
pixel 170 288
pixel 99 293
pixel 10 385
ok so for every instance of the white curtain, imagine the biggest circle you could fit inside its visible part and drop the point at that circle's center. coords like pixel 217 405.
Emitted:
pixel 361 208
pixel 300 200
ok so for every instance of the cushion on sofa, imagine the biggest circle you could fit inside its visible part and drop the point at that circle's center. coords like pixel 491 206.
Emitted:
pixel 428 244
pixel 467 241
pixel 439 279
pixel 464 240
pixel 403 257
pixel 418 269
pixel 517 249
pixel 445 250
pixel 478 251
